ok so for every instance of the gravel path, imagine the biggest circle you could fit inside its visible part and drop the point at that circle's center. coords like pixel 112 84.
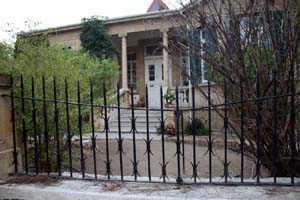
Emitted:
pixel 156 159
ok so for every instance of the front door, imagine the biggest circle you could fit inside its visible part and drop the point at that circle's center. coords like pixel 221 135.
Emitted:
pixel 154 79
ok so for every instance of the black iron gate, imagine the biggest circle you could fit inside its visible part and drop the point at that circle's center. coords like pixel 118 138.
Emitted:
pixel 32 153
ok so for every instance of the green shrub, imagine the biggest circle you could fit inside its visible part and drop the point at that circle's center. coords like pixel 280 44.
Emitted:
pixel 33 59
pixel 199 128
pixel 94 38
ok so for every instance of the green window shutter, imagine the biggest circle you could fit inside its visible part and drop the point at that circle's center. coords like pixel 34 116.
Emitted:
pixel 277 22
pixel 195 55
pixel 210 38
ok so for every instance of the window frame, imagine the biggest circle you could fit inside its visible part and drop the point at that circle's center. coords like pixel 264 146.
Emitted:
pixel 131 71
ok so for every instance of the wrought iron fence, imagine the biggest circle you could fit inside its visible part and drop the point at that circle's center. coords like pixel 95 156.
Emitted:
pixel 32 152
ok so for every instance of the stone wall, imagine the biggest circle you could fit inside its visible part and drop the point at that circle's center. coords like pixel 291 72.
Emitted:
pixel 6 135
pixel 67 39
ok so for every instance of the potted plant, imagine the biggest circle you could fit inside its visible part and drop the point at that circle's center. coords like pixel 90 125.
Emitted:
pixel 141 102
pixel 169 97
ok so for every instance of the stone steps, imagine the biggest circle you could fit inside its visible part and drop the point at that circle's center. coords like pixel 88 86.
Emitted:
pixel 141 126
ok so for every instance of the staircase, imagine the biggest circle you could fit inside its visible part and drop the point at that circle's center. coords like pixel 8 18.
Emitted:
pixel 141 125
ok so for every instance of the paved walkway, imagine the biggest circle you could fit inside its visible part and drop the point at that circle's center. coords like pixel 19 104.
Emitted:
pixel 75 190
pixel 156 159
pixel 232 141
pixel 156 156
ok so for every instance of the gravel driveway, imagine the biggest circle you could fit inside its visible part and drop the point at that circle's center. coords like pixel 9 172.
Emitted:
pixel 156 159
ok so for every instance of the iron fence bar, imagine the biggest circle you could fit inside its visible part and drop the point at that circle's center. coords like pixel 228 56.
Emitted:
pixel 133 127
pixel 225 133
pixel 82 162
pixel 298 130
pixel 93 138
pixel 120 140
pixel 36 156
pixel 258 120
pixel 58 156
pixel 69 136
pixel 182 139
pixel 162 132
pixel 239 102
pixel 242 140
pixel 292 133
pixel 148 142
pixel 24 130
pixel 108 170
pixel 13 121
pixel 194 164
pixel 154 109
pixel 178 153
pixel 46 131
pixel 274 135
pixel 178 114
pixel 87 104
pixel 209 131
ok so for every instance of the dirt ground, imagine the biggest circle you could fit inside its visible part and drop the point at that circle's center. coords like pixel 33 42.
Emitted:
pixel 156 160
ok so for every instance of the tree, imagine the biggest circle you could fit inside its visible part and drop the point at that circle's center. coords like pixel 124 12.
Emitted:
pixel 94 38
pixel 6 53
pixel 33 59
pixel 256 42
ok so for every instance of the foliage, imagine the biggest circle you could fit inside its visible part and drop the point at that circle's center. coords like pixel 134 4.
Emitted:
pixel 6 52
pixel 253 42
pixel 34 60
pixel 200 129
pixel 141 102
pixel 169 96
pixel 94 38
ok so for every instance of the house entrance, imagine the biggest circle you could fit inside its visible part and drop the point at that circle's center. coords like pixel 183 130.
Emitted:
pixel 154 79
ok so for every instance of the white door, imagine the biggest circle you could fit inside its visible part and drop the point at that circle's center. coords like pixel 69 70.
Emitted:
pixel 154 80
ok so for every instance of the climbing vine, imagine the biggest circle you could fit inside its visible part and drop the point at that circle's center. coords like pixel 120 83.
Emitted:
pixel 94 38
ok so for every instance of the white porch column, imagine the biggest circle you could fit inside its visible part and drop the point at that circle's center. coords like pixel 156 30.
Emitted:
pixel 165 57
pixel 124 69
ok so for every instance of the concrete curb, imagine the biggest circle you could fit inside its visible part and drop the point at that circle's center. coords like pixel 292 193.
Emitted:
pixel 81 190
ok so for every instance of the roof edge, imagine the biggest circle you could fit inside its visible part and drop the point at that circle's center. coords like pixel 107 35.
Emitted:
pixel 123 19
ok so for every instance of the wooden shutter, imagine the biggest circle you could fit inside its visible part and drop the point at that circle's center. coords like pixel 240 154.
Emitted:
pixel 195 55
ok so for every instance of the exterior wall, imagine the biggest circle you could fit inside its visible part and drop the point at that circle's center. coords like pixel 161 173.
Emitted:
pixel 140 33
pixel 201 102
pixel 6 132
pixel 216 120
pixel 66 39
pixel 176 67
pixel 142 25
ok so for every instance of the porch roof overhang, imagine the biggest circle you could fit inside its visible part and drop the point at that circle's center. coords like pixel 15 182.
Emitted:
pixel 126 20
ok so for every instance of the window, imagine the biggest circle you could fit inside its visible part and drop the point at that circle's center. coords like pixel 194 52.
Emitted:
pixel 131 70
pixel 253 30
pixel 202 44
pixel 151 72
pixel 205 51
pixel 154 50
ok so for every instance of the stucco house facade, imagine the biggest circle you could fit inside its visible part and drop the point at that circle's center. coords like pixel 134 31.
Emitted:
pixel 146 57
pixel 141 43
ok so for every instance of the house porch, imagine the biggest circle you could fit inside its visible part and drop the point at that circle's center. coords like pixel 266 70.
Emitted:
pixel 146 58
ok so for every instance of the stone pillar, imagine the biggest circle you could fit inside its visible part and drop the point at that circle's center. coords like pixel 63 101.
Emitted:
pixel 6 135
pixel 124 70
pixel 165 57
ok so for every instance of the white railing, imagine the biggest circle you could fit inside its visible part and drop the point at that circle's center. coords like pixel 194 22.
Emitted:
pixel 183 93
